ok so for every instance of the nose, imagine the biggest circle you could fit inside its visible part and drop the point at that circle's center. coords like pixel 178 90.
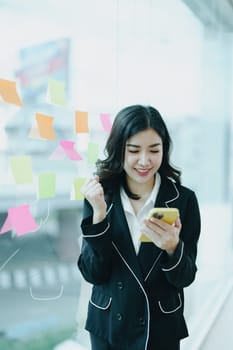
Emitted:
pixel 144 159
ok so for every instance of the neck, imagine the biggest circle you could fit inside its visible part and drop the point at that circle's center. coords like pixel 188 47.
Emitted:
pixel 142 190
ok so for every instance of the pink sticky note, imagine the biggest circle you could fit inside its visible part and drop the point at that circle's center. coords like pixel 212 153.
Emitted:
pixel 59 153
pixel 19 219
pixel 106 121
pixel 68 147
pixel 7 225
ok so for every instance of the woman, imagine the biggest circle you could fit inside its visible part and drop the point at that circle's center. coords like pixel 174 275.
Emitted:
pixel 137 299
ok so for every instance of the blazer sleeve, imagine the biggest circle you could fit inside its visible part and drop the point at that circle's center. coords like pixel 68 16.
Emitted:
pixel 180 269
pixel 94 261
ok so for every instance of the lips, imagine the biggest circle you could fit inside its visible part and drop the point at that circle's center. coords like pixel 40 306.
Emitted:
pixel 143 172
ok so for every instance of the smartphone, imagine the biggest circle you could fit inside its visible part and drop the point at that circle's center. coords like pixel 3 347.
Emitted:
pixel 168 215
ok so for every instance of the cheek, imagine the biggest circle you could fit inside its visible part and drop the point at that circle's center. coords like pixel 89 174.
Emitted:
pixel 129 160
pixel 158 160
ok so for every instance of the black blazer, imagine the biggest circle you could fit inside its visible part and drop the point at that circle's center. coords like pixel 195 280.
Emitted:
pixel 137 296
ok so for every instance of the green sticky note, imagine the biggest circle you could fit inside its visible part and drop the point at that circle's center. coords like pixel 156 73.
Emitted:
pixel 56 92
pixel 78 183
pixel 46 185
pixel 92 152
pixel 21 169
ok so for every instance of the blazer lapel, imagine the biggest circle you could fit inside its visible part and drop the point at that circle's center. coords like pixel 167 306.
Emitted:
pixel 148 258
pixel 167 194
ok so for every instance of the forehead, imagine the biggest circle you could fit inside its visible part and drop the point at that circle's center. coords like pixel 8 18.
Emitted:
pixel 145 137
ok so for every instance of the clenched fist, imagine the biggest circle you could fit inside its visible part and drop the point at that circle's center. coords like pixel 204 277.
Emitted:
pixel 94 193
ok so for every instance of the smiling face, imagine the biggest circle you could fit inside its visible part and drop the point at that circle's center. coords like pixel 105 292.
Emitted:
pixel 143 157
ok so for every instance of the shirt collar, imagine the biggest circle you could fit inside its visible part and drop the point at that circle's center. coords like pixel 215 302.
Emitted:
pixel 151 199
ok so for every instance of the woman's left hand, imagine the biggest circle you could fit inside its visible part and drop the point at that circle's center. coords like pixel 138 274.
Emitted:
pixel 163 235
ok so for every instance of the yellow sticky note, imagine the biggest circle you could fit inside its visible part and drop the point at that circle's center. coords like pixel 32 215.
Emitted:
pixel 78 183
pixel 45 126
pixel 9 93
pixel 21 169
pixel 46 185
pixel 92 152
pixel 56 92
pixel 81 122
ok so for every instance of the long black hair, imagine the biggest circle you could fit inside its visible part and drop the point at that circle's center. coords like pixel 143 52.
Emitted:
pixel 128 122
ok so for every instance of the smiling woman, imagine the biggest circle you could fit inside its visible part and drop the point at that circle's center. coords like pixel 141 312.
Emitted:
pixel 137 286
pixel 143 158
pixel 106 55
pixel 139 129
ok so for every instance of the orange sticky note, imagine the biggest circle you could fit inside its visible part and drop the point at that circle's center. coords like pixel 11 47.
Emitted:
pixel 45 126
pixel 9 93
pixel 81 122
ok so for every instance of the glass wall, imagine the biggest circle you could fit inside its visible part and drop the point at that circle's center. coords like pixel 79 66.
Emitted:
pixel 63 58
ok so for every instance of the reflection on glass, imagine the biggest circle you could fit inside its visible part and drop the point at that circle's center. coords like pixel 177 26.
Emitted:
pixel 165 53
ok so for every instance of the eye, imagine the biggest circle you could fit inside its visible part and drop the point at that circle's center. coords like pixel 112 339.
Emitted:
pixel 156 151
pixel 130 151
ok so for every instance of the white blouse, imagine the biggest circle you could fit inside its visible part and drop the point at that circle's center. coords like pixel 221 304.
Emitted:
pixel 133 220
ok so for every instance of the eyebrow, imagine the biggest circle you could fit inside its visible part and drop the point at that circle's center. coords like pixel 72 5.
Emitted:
pixel 137 146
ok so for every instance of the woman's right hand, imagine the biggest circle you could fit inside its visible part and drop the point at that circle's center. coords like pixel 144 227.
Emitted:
pixel 94 193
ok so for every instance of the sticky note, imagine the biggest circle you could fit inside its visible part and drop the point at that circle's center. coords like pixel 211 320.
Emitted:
pixel 66 148
pixel 92 152
pixel 78 183
pixel 9 93
pixel 81 122
pixel 21 169
pixel 56 92
pixel 106 121
pixel 45 126
pixel 46 185
pixel 20 220
pixel 58 153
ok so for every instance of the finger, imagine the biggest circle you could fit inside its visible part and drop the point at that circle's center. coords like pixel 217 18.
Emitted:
pixel 94 190
pixel 87 183
pixel 87 189
pixel 90 183
pixel 96 177
pixel 153 236
pixel 154 227
pixel 97 188
pixel 178 223
pixel 94 180
pixel 160 223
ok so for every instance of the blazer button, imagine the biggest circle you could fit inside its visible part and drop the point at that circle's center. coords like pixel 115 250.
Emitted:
pixel 119 317
pixel 120 285
pixel 141 321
